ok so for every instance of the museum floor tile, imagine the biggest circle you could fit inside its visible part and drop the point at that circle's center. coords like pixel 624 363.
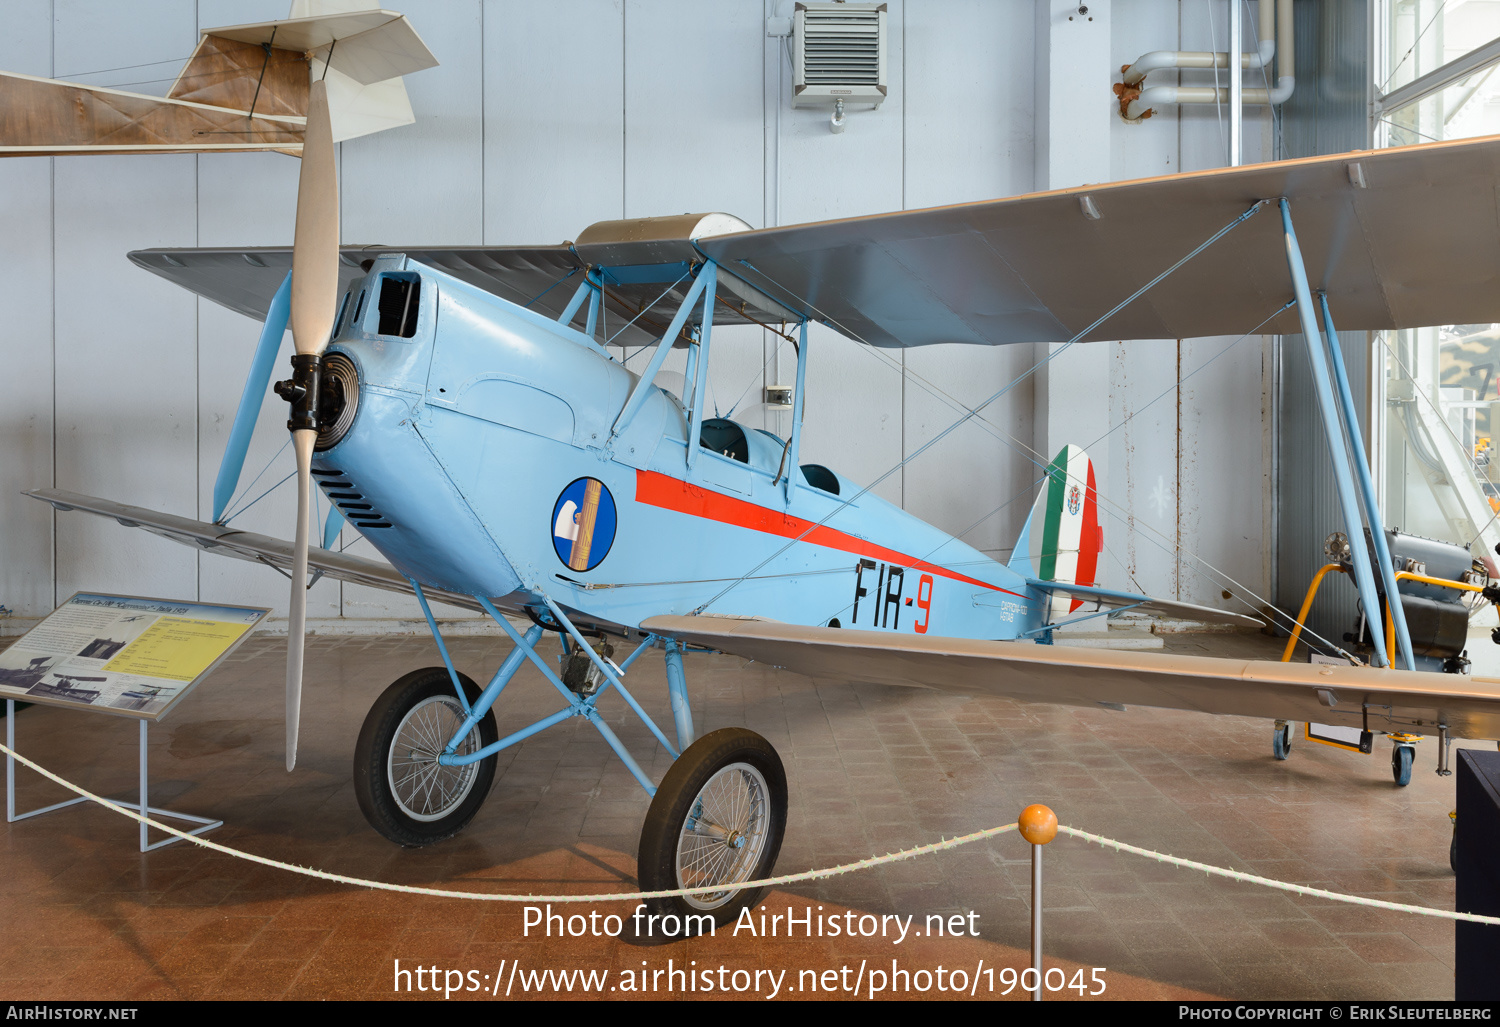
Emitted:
pixel 871 769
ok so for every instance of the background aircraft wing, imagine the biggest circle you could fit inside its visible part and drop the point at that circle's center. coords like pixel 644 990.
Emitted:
pixel 247 545
pixel 1400 238
pixel 1391 700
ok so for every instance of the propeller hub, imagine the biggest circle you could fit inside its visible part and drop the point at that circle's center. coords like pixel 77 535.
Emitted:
pixel 303 391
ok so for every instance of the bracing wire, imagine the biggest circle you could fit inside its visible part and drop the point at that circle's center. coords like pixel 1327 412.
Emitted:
pixel 972 413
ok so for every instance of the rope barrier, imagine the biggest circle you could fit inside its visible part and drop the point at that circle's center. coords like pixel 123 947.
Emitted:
pixel 806 875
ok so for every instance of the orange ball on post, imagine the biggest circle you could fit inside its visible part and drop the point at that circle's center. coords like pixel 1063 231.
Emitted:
pixel 1038 824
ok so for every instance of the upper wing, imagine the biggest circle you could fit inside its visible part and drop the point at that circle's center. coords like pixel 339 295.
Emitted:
pixel 542 278
pixel 1382 700
pixel 1417 244
pixel 1108 597
pixel 1399 238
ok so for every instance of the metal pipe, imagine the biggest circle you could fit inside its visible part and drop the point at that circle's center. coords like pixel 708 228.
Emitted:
pixel 1037 919
pixel 1307 601
pixel 1286 81
pixel 1258 58
pixel 1236 86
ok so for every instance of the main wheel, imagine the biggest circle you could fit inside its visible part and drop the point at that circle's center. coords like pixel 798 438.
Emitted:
pixel 1401 757
pixel 1281 741
pixel 403 791
pixel 717 819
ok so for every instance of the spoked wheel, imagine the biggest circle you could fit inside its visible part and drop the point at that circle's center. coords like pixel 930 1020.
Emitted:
pixel 1401 759
pixel 717 820
pixel 403 791
pixel 1281 741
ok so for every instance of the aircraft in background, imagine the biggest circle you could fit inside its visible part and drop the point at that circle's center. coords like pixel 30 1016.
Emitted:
pixel 244 88
pixel 461 412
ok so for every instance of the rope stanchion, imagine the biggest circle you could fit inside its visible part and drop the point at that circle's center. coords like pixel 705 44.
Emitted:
pixel 1300 889
pixel 805 875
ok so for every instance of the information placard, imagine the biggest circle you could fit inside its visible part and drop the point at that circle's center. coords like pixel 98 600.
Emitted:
pixel 126 655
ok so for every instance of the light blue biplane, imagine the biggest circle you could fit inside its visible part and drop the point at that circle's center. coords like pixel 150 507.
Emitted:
pixel 459 410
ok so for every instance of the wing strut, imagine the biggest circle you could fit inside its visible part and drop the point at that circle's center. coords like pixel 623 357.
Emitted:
pixel 1333 429
pixel 1361 465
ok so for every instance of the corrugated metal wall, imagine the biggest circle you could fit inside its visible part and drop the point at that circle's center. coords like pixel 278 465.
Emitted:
pixel 1328 113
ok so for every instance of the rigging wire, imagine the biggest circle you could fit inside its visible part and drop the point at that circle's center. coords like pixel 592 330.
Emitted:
pixel 974 412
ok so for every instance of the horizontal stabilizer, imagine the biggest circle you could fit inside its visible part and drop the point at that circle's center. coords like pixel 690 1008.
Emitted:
pixel 1397 699
pixel 372 46
pixel 1105 598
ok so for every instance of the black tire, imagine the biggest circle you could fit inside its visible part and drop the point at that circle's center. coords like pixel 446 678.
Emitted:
pixel 1281 741
pixel 415 710
pixel 1401 759
pixel 732 774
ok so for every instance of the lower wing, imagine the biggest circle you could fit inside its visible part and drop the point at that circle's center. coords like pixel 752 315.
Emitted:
pixel 247 545
pixel 1377 700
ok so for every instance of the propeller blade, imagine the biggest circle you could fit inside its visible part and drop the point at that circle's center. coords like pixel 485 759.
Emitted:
pixel 296 625
pixel 315 250
pixel 315 284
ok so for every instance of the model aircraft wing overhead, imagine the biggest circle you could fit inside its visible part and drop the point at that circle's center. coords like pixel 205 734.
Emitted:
pixel 1392 700
pixel 247 545
pixel 1399 238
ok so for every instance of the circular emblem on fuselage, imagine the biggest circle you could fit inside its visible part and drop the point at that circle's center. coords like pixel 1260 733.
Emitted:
pixel 583 524
pixel 1074 497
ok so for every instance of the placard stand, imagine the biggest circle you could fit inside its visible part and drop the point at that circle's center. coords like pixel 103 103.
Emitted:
pixel 141 805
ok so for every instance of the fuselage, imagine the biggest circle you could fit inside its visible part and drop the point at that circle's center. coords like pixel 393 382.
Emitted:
pixel 481 460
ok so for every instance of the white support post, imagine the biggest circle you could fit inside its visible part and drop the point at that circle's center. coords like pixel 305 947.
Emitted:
pixel 1073 70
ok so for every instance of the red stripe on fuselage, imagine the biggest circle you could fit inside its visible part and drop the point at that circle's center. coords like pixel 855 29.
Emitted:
pixel 670 493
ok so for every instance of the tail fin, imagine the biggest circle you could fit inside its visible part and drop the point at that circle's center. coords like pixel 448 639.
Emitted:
pixel 1063 544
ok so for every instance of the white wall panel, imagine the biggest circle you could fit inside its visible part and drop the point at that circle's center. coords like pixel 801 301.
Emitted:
pixel 853 405
pixel 1139 514
pixel 424 183
pixel 704 155
pixel 554 118
pixel 126 401
pixel 970 135
pixel 26 280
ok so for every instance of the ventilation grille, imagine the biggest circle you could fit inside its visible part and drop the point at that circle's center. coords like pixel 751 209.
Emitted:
pixel 341 492
pixel 838 53
pixel 841 48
